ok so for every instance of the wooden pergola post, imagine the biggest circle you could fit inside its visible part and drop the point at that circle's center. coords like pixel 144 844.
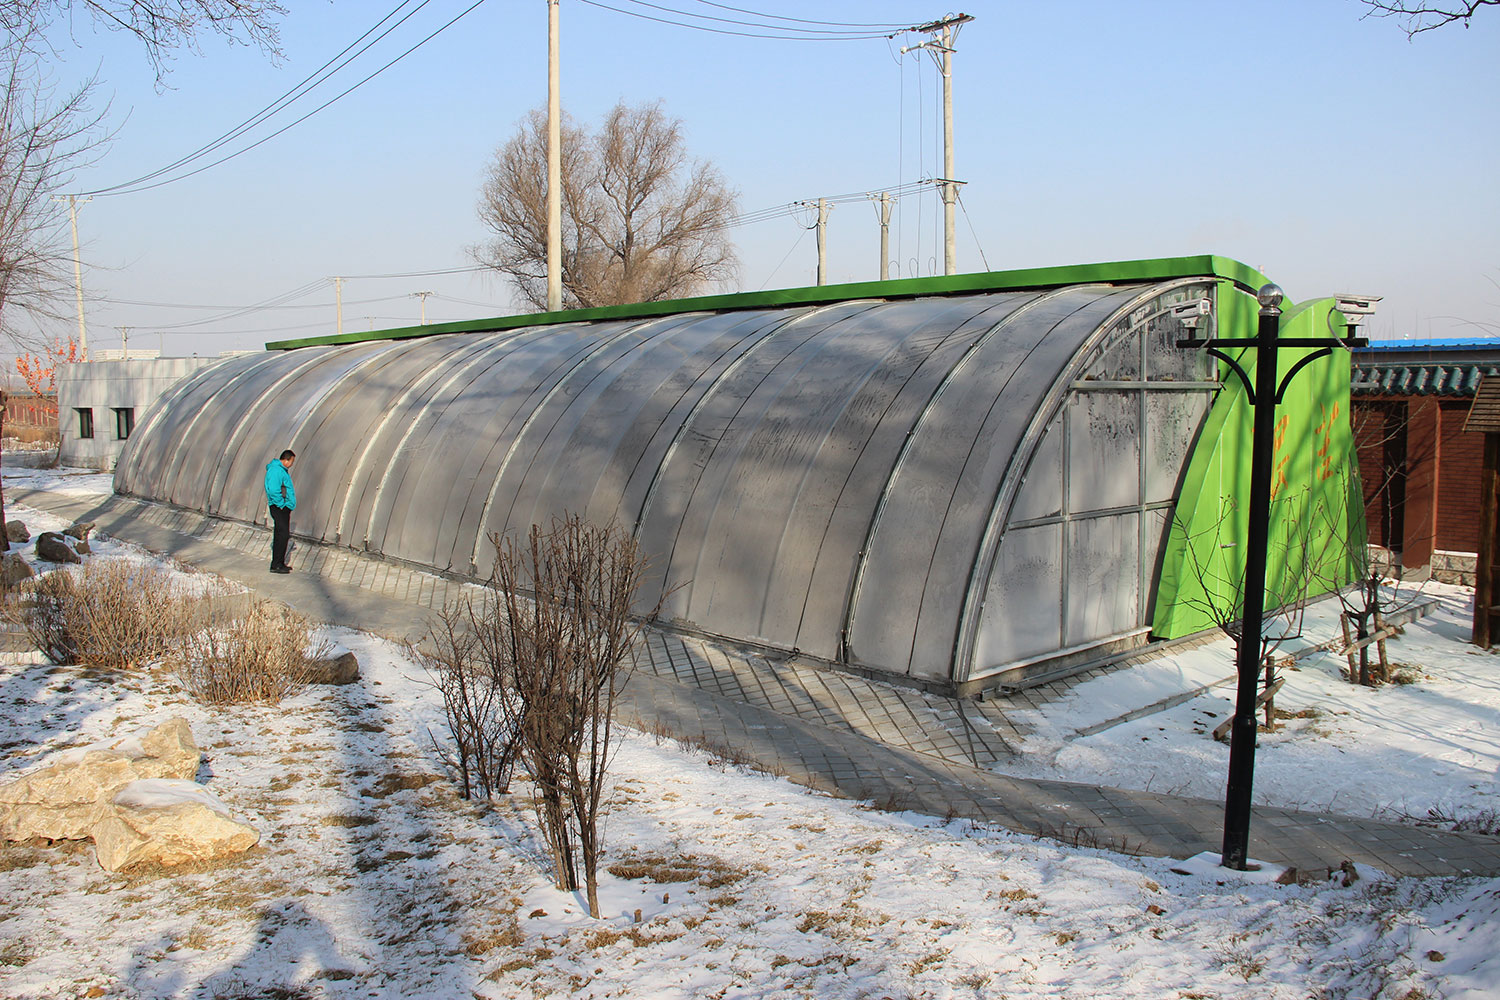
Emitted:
pixel 1484 415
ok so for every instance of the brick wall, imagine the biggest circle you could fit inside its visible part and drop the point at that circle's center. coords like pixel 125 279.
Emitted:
pixel 1460 467
pixel 1379 436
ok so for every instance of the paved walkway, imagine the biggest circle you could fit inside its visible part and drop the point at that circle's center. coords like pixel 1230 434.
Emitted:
pixel 824 729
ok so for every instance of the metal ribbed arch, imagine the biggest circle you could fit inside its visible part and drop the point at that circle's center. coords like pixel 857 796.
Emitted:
pixel 182 472
pixel 272 421
pixel 680 520
pixel 583 458
pixel 446 466
pixel 1042 417
pixel 386 465
pixel 937 502
pixel 820 477
pixel 424 369
pixel 565 403
pixel 167 410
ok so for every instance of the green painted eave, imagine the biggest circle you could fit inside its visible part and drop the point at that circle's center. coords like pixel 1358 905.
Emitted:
pixel 1112 272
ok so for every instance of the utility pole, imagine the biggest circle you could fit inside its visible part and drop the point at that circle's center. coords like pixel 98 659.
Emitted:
pixel 823 209
pixel 338 300
pixel 124 342
pixel 941 50
pixel 423 297
pixel 83 335
pixel 554 166
pixel 885 202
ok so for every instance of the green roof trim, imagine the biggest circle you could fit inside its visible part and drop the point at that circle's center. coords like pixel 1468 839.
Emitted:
pixel 1112 272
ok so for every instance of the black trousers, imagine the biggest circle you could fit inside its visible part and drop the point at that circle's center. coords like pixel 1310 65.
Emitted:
pixel 281 534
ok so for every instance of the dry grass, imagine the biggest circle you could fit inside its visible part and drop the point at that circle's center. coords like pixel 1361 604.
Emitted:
pixel 261 657
pixel 711 873
pixel 109 613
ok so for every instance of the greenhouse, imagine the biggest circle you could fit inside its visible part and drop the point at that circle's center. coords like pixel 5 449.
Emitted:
pixel 934 480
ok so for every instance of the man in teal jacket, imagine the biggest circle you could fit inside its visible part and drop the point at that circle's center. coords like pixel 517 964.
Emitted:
pixel 281 498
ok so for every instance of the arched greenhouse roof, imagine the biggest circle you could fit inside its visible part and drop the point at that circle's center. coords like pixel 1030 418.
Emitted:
pixel 935 481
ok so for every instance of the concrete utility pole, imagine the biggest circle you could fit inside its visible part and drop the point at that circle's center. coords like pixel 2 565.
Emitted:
pixel 885 202
pixel 423 297
pixel 554 166
pixel 124 342
pixel 338 301
pixel 83 334
pixel 823 209
pixel 941 50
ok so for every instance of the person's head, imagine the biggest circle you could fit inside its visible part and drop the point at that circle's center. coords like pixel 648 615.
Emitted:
pixel 288 457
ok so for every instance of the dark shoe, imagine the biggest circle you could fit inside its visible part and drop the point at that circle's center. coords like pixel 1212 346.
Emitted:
pixel 281 569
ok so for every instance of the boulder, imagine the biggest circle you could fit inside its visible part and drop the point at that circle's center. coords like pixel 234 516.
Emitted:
pixel 14 569
pixel 79 530
pixel 15 531
pixel 82 548
pixel 65 794
pixel 170 822
pixel 341 669
pixel 51 547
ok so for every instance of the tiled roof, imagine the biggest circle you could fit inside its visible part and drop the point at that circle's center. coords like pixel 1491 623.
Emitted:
pixel 1419 380
pixel 1484 412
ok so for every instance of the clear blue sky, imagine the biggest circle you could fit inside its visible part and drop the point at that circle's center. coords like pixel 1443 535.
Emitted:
pixel 1326 149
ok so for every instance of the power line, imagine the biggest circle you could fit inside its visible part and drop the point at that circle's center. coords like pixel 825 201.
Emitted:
pixel 126 189
pixel 300 90
pixel 785 33
pixel 801 20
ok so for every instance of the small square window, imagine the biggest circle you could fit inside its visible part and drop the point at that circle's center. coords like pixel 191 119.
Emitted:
pixel 85 422
pixel 124 421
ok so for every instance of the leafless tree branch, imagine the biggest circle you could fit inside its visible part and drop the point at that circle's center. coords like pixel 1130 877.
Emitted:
pixel 640 222
pixel 1419 17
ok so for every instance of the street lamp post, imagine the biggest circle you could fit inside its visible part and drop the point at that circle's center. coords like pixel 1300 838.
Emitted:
pixel 1264 393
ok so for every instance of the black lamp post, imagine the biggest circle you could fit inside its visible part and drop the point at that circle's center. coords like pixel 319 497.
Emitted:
pixel 1264 394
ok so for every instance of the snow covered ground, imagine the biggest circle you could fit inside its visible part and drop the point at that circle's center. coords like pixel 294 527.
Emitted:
pixel 374 879
pixel 1398 751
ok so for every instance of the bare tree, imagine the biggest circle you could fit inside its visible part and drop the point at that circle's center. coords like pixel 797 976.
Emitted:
pixel 161 25
pixel 43 138
pixel 640 222
pixel 568 644
pixel 1420 17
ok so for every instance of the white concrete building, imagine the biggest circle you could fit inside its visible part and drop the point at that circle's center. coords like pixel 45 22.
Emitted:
pixel 100 402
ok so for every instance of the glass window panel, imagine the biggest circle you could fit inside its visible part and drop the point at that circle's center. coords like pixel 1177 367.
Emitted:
pixel 1174 419
pixel 1103 582
pixel 1103 450
pixel 1041 493
pixel 1023 601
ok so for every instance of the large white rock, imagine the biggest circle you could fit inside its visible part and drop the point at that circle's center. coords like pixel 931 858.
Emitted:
pixel 170 822
pixel 66 793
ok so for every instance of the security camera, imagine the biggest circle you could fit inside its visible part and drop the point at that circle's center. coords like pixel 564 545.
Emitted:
pixel 1355 305
pixel 1190 313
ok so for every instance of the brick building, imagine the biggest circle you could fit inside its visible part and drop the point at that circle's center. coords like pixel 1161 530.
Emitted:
pixel 1420 468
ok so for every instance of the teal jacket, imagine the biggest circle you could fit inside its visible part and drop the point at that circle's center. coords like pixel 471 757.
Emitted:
pixel 279 489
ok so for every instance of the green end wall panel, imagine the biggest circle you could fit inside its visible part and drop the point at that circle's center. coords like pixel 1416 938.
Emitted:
pixel 1316 518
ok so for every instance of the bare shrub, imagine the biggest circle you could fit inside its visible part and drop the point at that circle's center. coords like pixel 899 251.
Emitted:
pixel 567 646
pixel 262 656
pixel 129 614
pixel 470 668
pixel 110 613
pixel 41 606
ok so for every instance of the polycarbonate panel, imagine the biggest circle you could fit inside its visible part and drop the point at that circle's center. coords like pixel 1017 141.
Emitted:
pixel 820 478
pixel 1103 588
pixel 1024 601
pixel 1104 450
